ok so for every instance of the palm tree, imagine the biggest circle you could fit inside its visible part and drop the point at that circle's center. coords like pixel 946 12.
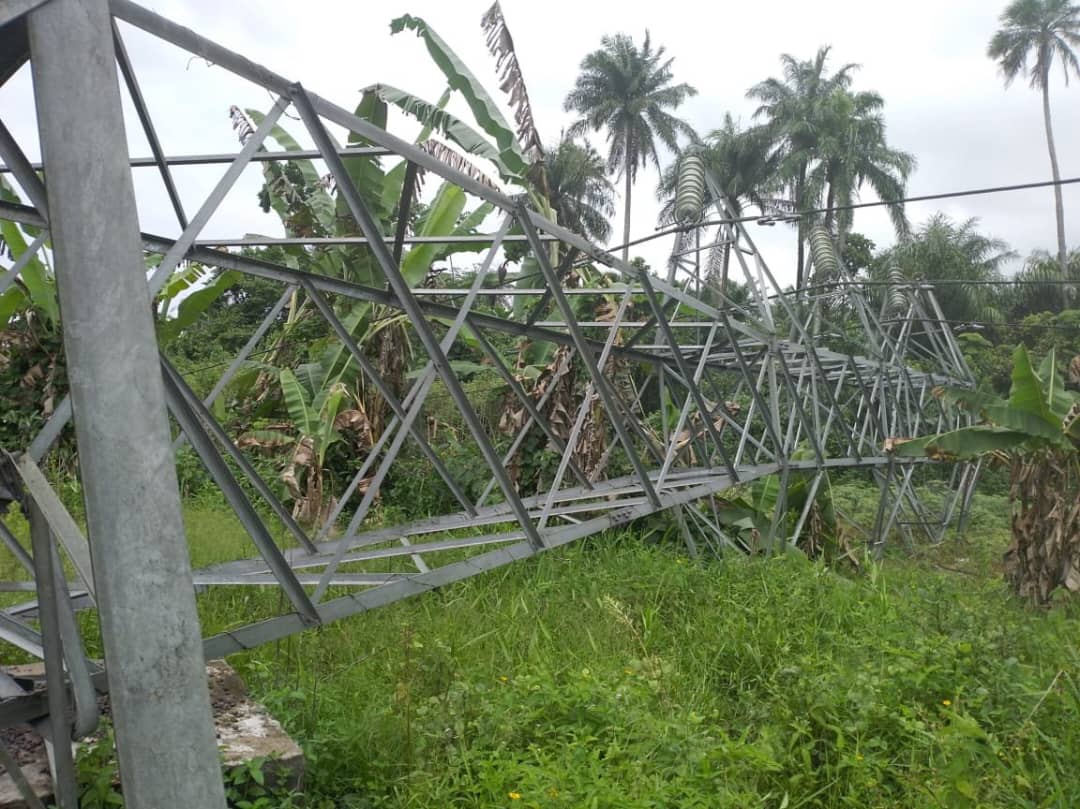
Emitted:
pixel 944 250
pixel 794 109
pixel 740 162
pixel 1041 286
pixel 578 188
pixel 628 91
pixel 852 151
pixel 1044 29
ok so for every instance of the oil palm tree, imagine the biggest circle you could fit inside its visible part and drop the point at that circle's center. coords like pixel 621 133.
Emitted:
pixel 629 91
pixel 579 190
pixel 1043 30
pixel 793 110
pixel 944 250
pixel 1041 286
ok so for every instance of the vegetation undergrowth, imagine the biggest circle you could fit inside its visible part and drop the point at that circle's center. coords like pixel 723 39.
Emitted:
pixel 618 674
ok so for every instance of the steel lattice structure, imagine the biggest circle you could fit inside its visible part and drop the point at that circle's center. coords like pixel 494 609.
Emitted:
pixel 779 384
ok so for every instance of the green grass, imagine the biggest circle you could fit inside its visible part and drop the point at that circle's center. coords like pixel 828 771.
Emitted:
pixel 616 674
pixel 613 674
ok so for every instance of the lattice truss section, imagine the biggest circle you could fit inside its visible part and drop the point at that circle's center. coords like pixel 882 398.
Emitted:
pixel 681 393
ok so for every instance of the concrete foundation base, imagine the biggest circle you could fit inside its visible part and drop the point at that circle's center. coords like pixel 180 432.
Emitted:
pixel 245 731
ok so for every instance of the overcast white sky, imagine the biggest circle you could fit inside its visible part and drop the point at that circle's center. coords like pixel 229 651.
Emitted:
pixel 945 102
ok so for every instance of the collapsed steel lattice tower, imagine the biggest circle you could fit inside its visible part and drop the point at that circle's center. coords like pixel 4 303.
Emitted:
pixel 774 385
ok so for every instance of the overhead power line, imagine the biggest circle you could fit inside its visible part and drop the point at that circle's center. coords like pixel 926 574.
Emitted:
pixel 772 219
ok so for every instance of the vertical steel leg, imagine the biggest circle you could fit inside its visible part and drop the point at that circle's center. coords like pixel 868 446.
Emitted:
pixel 149 625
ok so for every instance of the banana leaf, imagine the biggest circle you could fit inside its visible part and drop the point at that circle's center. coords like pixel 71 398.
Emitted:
pixel 461 79
pixel 452 127
pixel 967 442
pixel 196 303
pixel 37 280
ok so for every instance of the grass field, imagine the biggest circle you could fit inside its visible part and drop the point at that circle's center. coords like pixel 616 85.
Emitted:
pixel 616 674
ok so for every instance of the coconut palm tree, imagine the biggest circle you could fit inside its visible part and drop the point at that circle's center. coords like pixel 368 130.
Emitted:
pixel 578 187
pixel 628 91
pixel 1041 30
pixel 793 110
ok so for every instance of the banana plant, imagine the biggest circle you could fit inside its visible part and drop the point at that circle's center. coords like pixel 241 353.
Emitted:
pixel 516 154
pixel 1036 431
pixel 322 404
pixel 749 512
pixel 35 288
pixel 314 412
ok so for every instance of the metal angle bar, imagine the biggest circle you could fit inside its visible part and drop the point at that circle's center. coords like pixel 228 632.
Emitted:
pixel 527 402
pixel 810 497
pixel 408 420
pixel 407 186
pixel 17 550
pixel 391 400
pixel 180 405
pixel 950 339
pixel 641 324
pixel 564 267
pixel 203 580
pixel 413 401
pixel 205 422
pixel 61 760
pixel 132 82
pixel 673 439
pixel 834 405
pixel 15 771
pixel 409 304
pixel 150 630
pixel 57 619
pixel 617 487
pixel 750 411
pixel 23 171
pixel 510 292
pixel 12 272
pixel 248 637
pixel 520 437
pixel 186 241
pixel 579 420
pixel 602 495
pixel 261 268
pixel 755 393
pixel 321 241
pixel 730 421
pixel 20 635
pixel 228 157
pixel 17 8
pixel 30 587
pixel 606 394
pixel 172 257
pixel 220 56
pixel 249 346
pixel 428 547
pixel 58 518
pixel 723 537
pixel 684 369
